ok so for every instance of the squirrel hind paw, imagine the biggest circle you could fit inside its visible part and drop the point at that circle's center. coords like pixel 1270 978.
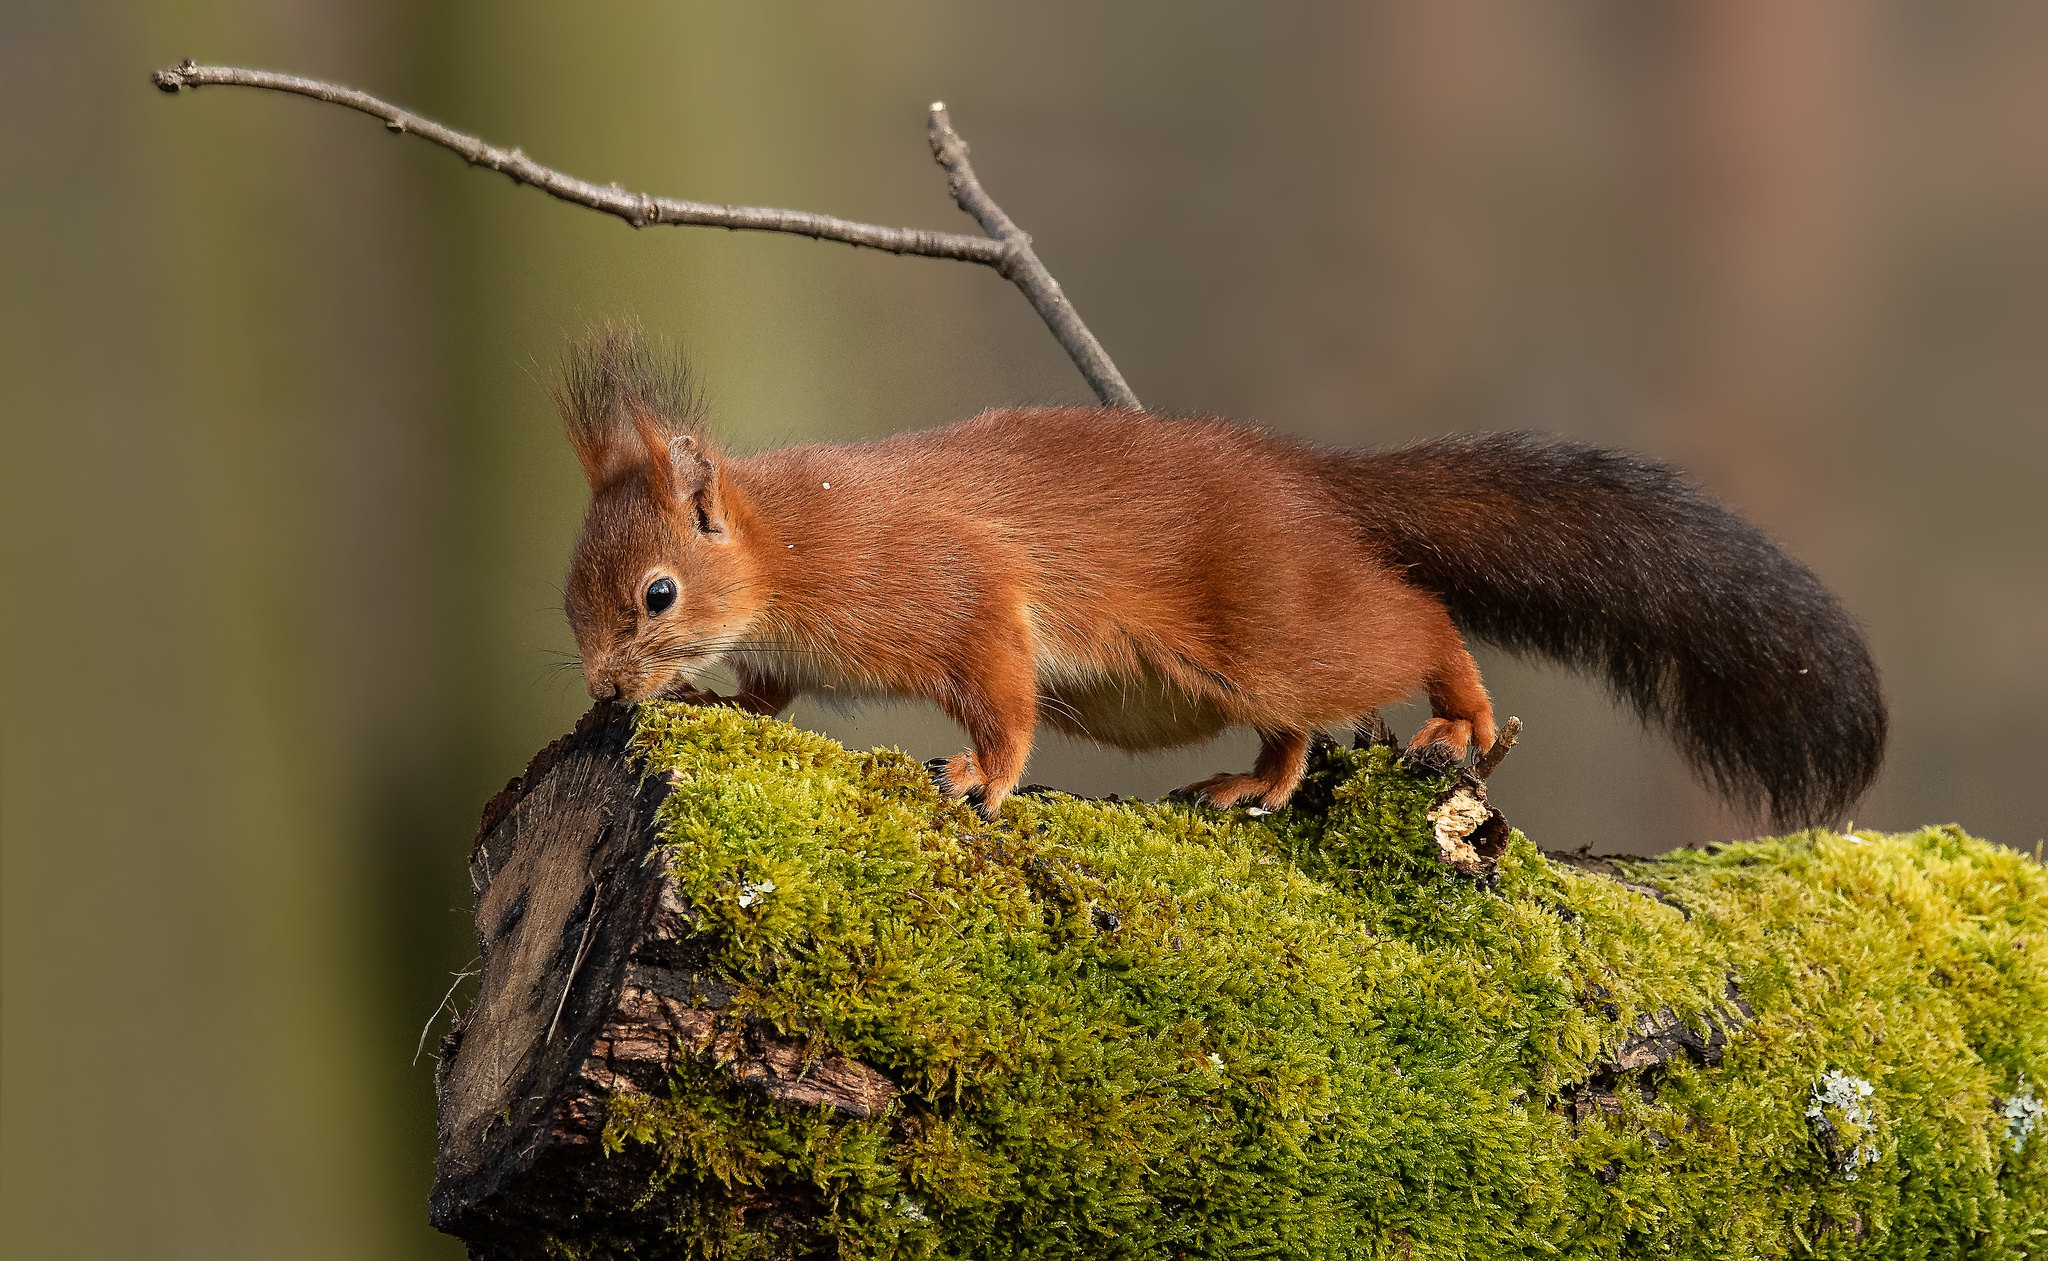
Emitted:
pixel 1442 746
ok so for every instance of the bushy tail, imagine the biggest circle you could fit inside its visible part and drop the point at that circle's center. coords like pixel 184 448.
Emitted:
pixel 1620 567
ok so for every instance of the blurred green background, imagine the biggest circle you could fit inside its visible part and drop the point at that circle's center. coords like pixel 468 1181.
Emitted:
pixel 286 510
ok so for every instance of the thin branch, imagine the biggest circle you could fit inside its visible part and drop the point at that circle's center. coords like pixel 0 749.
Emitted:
pixel 1007 249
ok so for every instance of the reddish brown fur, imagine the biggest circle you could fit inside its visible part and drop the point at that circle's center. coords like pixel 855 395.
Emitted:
pixel 1134 579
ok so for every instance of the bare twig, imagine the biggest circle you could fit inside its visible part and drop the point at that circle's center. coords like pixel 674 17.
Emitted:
pixel 1006 249
pixel 1490 761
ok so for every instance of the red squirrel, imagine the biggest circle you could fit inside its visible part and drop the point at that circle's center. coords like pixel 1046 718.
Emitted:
pixel 1145 581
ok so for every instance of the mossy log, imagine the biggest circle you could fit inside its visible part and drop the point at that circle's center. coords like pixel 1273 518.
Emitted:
pixel 746 993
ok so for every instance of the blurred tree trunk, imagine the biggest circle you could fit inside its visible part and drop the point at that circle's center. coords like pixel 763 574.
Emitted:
pixel 220 671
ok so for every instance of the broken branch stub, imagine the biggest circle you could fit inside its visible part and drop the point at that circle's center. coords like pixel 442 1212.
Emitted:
pixel 1490 761
pixel 1470 834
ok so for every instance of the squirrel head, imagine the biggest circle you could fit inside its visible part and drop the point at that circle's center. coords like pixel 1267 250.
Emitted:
pixel 659 585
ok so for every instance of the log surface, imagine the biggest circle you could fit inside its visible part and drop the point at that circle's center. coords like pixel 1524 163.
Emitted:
pixel 1222 1030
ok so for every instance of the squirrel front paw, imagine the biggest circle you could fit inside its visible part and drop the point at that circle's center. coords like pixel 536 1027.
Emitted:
pixel 682 690
pixel 1221 792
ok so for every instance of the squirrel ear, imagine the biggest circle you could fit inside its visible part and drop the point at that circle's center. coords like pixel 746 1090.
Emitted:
pixel 620 400
pixel 696 479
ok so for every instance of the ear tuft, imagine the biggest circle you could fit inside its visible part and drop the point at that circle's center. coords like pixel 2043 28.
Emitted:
pixel 654 459
pixel 614 389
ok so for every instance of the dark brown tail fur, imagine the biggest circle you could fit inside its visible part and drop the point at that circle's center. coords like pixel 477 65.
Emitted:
pixel 1620 567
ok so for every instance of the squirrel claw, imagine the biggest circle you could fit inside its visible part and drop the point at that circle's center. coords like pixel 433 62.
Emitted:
pixel 689 695
pixel 1437 757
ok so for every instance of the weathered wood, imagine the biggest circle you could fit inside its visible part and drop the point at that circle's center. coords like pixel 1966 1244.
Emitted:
pixel 591 986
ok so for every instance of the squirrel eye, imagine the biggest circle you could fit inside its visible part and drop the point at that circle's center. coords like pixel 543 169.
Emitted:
pixel 661 593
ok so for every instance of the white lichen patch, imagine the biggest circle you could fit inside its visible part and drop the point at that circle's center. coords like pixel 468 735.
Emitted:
pixel 1455 819
pixel 750 892
pixel 1844 1121
pixel 2022 1113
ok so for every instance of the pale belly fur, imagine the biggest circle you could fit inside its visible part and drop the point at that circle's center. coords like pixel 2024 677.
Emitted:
pixel 1126 704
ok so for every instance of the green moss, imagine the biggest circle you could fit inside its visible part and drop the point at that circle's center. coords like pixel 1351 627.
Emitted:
pixel 1153 1030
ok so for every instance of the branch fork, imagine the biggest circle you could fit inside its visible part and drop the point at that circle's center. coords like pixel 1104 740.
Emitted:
pixel 1006 249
